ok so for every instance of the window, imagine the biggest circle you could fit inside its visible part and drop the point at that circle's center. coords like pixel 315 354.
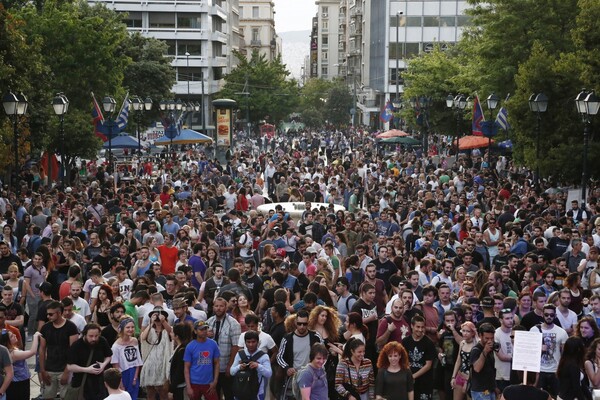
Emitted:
pixel 447 21
pixel 431 21
pixel 397 50
pixel 162 20
pixel 171 44
pixel 463 20
pixel 325 41
pixel 324 55
pixel 194 47
pixel 241 12
pixel 189 21
pixel 393 77
pixel 325 12
pixel 412 49
pixel 324 71
pixel 255 34
pixel 255 12
pixel 394 21
pixel 325 25
pixel 133 20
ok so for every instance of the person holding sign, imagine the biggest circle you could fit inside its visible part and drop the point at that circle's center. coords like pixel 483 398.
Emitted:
pixel 553 340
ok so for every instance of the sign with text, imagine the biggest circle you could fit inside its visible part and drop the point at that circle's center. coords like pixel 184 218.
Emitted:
pixel 527 351
pixel 223 127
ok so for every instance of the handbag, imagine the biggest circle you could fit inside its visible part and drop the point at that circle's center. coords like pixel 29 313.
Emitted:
pixel 77 393
pixel 350 387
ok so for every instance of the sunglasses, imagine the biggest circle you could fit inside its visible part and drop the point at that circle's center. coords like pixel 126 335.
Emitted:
pixel 302 323
pixel 549 315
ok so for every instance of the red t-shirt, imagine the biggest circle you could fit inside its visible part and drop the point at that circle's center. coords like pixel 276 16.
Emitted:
pixel 168 257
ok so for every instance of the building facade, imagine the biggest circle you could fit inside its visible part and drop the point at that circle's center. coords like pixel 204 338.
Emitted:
pixel 200 36
pixel 257 29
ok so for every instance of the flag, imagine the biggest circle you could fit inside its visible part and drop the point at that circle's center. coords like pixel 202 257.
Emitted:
pixel 387 113
pixel 121 121
pixel 478 117
pixel 98 120
pixel 502 119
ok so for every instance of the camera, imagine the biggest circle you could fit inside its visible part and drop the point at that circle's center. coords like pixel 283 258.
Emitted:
pixel 496 346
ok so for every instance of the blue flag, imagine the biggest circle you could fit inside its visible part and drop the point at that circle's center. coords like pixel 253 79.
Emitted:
pixel 388 112
pixel 123 117
pixel 502 119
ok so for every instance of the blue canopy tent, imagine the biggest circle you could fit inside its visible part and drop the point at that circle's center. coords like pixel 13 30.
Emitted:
pixel 506 145
pixel 123 141
pixel 186 136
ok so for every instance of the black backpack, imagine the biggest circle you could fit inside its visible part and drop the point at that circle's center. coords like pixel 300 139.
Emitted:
pixel 357 277
pixel 245 383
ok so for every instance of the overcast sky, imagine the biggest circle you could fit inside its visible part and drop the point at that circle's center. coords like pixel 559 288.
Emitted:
pixel 294 15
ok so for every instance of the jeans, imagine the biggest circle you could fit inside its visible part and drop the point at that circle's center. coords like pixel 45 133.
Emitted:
pixel 32 305
pixel 487 395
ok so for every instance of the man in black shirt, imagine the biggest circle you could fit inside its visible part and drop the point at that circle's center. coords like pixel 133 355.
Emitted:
pixel 421 353
pixel 367 308
pixel 253 282
pixel 89 355
pixel 483 377
pixel 385 267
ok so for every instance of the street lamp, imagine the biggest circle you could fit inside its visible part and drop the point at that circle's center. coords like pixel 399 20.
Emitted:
pixel 109 104
pixel 139 106
pixel 587 106
pixel 15 105
pixel 60 103
pixel 458 103
pixel 176 110
pixel 492 102
pixel 421 106
pixel 538 103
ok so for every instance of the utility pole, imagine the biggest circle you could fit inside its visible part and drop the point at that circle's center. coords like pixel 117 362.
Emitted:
pixel 245 92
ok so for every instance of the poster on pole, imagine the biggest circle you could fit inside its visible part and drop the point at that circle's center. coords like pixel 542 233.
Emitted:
pixel 527 351
pixel 223 127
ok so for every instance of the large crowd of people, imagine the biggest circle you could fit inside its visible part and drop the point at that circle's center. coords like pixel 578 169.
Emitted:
pixel 162 279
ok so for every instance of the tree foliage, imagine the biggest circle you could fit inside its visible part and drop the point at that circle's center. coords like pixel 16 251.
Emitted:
pixel 519 48
pixel 262 87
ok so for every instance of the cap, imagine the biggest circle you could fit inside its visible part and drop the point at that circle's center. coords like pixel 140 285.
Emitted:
pixel 200 325
pixel 68 190
pixel 471 274
pixel 284 266
pixel 487 302
pixel 311 250
pixel 594 249
pixel 473 300
pixel 45 287
pixel 427 223
pixel 281 253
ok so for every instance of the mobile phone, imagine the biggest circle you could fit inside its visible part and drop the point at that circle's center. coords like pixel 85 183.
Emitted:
pixel 96 365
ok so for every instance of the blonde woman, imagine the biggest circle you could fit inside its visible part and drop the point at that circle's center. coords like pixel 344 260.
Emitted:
pixel 156 353
pixel 462 366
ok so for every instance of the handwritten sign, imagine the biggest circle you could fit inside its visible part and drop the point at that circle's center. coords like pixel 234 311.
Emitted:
pixel 527 351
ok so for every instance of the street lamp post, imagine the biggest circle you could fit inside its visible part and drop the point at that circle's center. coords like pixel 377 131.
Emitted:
pixel 492 103
pixel 458 103
pixel 15 105
pixel 139 106
pixel 421 105
pixel 587 106
pixel 60 103
pixel 109 104
pixel 538 103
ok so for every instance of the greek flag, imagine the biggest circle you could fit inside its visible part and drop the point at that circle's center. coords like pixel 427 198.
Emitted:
pixel 124 114
pixel 502 119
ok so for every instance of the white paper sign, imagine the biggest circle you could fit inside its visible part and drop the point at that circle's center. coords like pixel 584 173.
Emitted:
pixel 527 351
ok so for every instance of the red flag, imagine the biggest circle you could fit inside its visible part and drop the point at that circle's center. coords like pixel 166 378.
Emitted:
pixel 478 117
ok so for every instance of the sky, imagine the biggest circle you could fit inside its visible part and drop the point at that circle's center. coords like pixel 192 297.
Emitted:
pixel 294 15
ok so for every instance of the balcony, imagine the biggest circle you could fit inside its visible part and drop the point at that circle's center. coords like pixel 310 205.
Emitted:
pixel 355 30
pixel 256 43
pixel 218 37
pixel 356 12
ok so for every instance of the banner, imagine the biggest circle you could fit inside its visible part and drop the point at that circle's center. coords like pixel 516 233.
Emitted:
pixel 223 127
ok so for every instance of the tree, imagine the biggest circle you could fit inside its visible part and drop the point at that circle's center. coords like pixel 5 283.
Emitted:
pixel 313 95
pixel 262 87
pixel 338 105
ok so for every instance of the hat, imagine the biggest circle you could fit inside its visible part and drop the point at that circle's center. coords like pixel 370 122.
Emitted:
pixel 68 190
pixel 487 302
pixel 473 300
pixel 200 325
pixel 471 274
pixel 158 309
pixel 179 303
pixel 284 266
pixel 427 223
pixel 311 250
pixel 594 249
pixel 342 280
pixel 45 287
pixel 281 253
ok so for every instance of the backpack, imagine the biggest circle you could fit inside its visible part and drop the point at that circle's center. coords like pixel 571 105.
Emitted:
pixel 245 383
pixel 356 279
pixel 296 384
pixel 348 301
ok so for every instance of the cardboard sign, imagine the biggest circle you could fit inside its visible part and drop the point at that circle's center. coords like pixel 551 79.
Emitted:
pixel 527 351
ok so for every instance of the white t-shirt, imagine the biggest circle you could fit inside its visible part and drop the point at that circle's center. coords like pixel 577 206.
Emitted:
pixel 567 322
pixel 79 322
pixel 120 396
pixel 552 342
pixel 125 288
pixel 265 342
pixel 81 307
pixel 503 367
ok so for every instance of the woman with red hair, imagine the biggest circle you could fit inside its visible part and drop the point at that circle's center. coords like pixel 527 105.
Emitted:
pixel 394 379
